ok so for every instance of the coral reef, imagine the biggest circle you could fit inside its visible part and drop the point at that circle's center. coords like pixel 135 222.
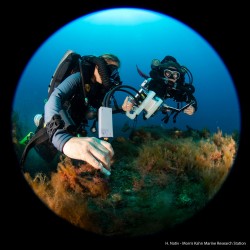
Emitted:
pixel 160 178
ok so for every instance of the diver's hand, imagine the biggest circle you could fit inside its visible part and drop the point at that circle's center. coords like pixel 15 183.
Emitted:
pixel 127 104
pixel 94 151
pixel 189 110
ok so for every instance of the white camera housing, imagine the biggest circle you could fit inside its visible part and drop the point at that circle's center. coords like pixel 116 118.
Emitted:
pixel 150 105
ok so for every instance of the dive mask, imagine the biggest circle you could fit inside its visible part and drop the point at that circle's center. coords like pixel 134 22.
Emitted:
pixel 114 76
pixel 171 74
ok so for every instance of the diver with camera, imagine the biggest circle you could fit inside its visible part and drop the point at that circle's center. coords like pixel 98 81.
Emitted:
pixel 166 80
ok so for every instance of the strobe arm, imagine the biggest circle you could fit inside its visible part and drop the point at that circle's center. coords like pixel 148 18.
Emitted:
pixel 166 107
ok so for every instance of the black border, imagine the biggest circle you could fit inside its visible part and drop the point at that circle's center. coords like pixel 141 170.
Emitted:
pixel 26 27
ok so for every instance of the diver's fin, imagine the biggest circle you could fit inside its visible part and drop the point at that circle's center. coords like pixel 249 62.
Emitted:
pixel 141 73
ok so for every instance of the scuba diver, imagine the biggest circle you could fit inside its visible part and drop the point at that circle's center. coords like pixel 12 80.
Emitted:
pixel 71 103
pixel 101 74
pixel 166 80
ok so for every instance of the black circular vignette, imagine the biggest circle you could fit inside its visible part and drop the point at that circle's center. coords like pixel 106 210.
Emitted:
pixel 221 220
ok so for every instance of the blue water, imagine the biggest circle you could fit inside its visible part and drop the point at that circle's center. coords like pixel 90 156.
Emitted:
pixel 136 36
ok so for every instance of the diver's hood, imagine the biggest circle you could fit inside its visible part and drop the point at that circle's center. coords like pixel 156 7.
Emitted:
pixel 167 62
pixel 171 64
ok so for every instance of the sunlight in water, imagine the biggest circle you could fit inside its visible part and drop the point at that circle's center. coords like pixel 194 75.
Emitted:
pixel 123 16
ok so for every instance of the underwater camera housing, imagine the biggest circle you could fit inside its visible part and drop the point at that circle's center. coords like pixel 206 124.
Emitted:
pixel 148 102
